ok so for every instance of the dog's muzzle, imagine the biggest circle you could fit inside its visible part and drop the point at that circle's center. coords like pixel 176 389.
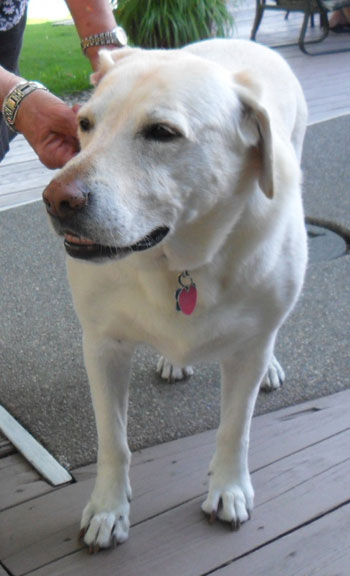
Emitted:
pixel 66 202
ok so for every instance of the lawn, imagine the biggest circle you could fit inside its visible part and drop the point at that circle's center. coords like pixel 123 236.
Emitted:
pixel 52 55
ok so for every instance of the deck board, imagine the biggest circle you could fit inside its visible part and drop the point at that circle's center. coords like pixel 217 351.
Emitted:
pixel 300 459
pixel 6 447
pixel 20 152
pixel 321 548
pixel 13 199
pixel 31 175
pixel 180 541
pixel 19 482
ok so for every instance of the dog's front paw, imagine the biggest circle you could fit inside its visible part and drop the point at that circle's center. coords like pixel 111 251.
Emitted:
pixel 230 502
pixel 104 526
pixel 274 376
pixel 172 373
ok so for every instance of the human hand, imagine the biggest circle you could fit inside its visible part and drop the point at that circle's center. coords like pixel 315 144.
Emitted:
pixel 50 127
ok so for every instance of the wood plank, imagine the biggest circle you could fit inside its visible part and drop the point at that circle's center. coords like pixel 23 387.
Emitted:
pixel 6 448
pixel 32 174
pixel 20 151
pixel 19 482
pixel 165 476
pixel 320 549
pixel 180 541
pixel 20 198
pixel 34 452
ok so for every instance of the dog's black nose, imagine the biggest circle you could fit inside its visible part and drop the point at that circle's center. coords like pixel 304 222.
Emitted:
pixel 63 198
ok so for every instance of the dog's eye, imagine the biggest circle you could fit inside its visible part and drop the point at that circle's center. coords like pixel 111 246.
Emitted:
pixel 161 133
pixel 85 125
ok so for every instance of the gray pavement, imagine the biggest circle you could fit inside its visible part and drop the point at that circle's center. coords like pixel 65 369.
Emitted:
pixel 42 377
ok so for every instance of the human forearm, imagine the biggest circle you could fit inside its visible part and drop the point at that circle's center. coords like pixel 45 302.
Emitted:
pixel 92 17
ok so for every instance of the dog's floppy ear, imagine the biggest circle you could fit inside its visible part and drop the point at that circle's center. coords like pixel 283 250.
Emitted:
pixel 107 59
pixel 255 128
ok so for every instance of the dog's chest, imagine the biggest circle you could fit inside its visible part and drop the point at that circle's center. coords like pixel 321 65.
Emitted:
pixel 145 308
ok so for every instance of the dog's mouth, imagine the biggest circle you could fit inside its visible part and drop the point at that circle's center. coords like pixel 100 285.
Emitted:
pixel 86 249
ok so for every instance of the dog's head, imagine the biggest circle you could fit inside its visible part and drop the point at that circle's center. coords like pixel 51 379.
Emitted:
pixel 169 142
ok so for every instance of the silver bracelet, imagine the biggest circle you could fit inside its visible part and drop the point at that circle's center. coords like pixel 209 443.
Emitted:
pixel 14 98
pixel 116 37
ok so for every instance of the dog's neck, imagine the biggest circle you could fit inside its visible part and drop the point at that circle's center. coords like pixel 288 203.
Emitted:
pixel 196 243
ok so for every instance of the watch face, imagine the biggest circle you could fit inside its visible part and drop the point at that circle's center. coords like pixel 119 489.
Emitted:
pixel 121 36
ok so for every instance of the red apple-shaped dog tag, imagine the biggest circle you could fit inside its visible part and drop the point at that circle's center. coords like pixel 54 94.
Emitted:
pixel 186 297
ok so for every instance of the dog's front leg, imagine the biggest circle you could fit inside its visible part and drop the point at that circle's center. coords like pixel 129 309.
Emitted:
pixel 231 495
pixel 105 519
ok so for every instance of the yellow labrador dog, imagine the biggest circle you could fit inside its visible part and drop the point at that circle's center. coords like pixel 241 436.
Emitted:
pixel 183 222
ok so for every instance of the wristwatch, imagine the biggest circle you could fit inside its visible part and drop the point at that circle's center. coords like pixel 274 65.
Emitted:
pixel 116 37
pixel 14 98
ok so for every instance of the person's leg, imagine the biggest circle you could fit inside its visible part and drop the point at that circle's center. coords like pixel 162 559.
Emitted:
pixel 10 48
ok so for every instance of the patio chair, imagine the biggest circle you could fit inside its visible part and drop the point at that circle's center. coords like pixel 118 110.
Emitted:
pixel 309 8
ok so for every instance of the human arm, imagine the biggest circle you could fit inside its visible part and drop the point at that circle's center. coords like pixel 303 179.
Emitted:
pixel 92 17
pixel 47 123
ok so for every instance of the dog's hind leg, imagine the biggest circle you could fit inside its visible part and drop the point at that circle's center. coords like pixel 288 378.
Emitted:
pixel 172 373
pixel 274 376
pixel 105 519
pixel 273 379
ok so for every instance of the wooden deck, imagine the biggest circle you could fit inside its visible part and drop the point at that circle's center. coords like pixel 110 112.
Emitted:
pixel 300 525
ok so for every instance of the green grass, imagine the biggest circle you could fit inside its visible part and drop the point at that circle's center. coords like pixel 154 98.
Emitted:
pixel 52 55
